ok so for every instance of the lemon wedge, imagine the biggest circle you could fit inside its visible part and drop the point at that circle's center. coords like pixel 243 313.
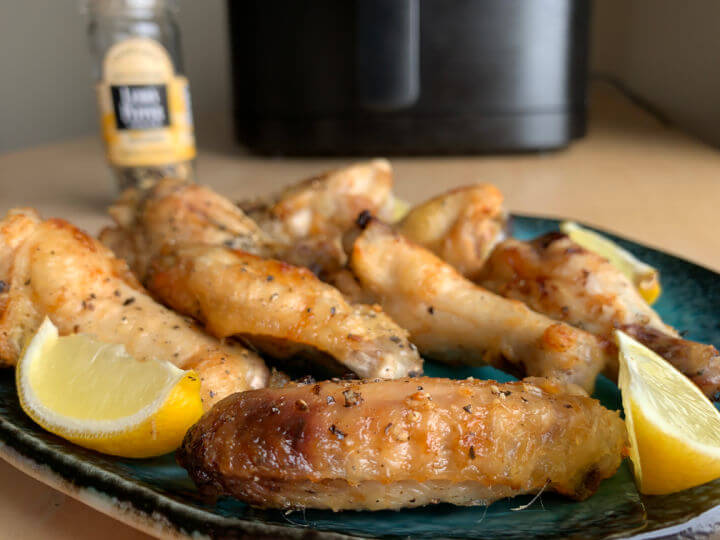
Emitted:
pixel 674 429
pixel 400 208
pixel 99 397
pixel 645 278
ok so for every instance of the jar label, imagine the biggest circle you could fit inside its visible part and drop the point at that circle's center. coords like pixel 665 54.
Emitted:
pixel 140 106
pixel 145 110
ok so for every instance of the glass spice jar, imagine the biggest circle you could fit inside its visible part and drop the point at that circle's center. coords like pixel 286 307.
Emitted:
pixel 143 97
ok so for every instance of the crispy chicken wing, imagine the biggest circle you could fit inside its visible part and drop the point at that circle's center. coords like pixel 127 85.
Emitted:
pixel 557 277
pixel 50 268
pixel 280 309
pixel 328 203
pixel 565 281
pixel 192 246
pixel 452 319
pixel 393 444
pixel 309 218
pixel 461 226
pixel 173 212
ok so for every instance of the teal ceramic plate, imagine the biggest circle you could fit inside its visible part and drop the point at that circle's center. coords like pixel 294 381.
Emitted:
pixel 156 495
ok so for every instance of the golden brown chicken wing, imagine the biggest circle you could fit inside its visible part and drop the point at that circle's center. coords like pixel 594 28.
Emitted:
pixel 50 268
pixel 393 444
pixel 310 217
pixel 197 246
pixel 329 203
pixel 452 319
pixel 173 212
pixel 461 226
pixel 555 276
pixel 281 309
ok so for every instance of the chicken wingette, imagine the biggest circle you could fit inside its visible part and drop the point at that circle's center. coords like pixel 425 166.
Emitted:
pixel 282 310
pixel 173 212
pixel 309 218
pixel 452 319
pixel 557 277
pixel 50 268
pixel 201 255
pixel 461 226
pixel 373 445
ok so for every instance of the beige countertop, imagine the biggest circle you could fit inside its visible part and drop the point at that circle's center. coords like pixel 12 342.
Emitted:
pixel 631 175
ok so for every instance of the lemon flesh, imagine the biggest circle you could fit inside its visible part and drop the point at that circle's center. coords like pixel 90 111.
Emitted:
pixel 674 429
pixel 98 396
pixel 399 209
pixel 645 278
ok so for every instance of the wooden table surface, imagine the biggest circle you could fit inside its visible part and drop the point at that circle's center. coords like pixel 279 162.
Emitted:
pixel 631 175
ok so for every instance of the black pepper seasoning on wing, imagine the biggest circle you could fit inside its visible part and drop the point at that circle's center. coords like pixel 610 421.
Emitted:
pixel 371 445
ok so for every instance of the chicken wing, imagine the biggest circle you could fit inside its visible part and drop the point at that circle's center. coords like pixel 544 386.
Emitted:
pixel 557 277
pixel 173 212
pixel 50 268
pixel 281 309
pixel 328 203
pixel 309 218
pixel 461 226
pixel 394 444
pixel 194 251
pixel 452 319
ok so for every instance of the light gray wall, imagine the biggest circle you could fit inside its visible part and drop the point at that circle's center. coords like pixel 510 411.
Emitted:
pixel 204 28
pixel 46 89
pixel 667 52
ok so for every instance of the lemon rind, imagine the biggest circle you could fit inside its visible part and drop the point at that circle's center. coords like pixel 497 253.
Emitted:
pixel 634 452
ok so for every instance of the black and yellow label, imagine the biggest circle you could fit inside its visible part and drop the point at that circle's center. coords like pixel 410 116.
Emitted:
pixel 145 110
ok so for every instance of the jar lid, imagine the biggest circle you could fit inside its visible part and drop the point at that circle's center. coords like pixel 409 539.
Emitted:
pixel 128 8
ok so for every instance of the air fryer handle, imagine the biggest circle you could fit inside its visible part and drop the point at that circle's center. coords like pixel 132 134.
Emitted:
pixel 387 53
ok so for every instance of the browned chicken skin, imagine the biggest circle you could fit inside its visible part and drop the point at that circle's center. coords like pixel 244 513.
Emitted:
pixel 173 212
pixel 278 307
pixel 567 282
pixel 327 203
pixel 192 248
pixel 452 319
pixel 392 444
pixel 52 269
pixel 461 226
pixel 556 277
pixel 309 217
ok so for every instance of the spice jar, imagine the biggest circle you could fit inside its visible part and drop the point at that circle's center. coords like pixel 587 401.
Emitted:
pixel 143 96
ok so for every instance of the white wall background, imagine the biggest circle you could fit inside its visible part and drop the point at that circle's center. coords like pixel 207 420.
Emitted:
pixel 46 88
pixel 665 50
pixel 668 52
